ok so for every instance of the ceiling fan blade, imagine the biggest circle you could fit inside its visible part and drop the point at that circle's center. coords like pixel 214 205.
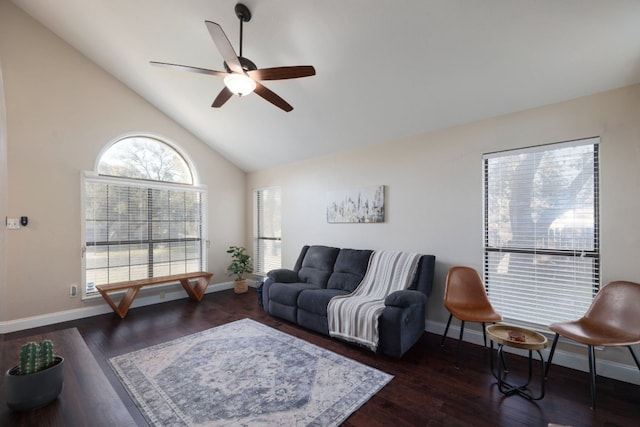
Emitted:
pixel 224 47
pixel 282 73
pixel 222 97
pixel 272 97
pixel 189 68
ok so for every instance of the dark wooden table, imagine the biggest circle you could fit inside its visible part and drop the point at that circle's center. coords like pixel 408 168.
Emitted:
pixel 87 398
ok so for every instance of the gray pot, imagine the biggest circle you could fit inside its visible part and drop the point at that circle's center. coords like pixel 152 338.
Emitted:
pixel 25 392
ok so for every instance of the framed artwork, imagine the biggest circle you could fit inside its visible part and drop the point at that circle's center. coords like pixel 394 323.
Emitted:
pixel 363 204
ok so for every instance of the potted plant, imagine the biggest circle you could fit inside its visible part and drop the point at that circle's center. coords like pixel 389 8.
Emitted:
pixel 240 265
pixel 37 380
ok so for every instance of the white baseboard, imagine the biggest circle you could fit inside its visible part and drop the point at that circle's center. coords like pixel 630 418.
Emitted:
pixel 99 306
pixel 578 361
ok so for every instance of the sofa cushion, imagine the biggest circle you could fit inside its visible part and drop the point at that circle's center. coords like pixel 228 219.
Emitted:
pixel 287 293
pixel 283 275
pixel 317 265
pixel 317 300
pixel 349 269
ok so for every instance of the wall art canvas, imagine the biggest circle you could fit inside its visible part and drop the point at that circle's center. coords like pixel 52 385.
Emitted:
pixel 363 204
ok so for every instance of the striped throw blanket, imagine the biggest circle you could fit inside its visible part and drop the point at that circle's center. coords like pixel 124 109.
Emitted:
pixel 354 317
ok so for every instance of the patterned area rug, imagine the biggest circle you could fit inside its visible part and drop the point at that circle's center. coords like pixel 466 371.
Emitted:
pixel 245 373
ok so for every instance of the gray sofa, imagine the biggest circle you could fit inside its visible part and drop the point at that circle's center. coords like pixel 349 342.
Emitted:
pixel 301 295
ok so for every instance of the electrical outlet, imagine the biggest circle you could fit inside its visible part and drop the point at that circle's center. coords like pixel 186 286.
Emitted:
pixel 73 290
pixel 13 223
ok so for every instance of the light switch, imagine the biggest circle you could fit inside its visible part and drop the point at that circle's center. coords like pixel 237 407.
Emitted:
pixel 13 223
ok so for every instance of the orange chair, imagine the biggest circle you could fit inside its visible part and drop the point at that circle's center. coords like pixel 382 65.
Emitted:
pixel 613 319
pixel 466 299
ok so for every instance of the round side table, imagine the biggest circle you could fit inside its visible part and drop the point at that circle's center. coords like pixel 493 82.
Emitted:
pixel 522 338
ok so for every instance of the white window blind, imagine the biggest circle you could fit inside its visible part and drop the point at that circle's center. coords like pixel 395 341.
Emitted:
pixel 267 230
pixel 541 248
pixel 138 229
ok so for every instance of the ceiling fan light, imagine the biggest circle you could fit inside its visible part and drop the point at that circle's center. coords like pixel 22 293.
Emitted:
pixel 240 84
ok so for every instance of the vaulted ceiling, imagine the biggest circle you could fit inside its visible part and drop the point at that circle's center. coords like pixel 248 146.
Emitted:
pixel 385 69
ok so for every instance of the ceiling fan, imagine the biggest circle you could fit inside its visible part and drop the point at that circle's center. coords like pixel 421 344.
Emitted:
pixel 242 76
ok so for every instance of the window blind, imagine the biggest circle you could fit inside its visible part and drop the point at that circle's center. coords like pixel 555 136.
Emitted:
pixel 267 230
pixel 138 229
pixel 541 231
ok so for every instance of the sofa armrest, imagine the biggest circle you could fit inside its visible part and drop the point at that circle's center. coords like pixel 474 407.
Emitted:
pixel 283 275
pixel 405 298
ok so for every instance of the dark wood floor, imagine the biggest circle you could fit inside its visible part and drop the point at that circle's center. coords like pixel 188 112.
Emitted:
pixel 427 389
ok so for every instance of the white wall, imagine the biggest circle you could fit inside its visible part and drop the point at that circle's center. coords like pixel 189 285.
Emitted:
pixel 3 194
pixel 434 188
pixel 61 111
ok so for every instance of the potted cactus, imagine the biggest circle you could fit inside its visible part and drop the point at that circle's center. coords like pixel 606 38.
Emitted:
pixel 37 380
pixel 240 264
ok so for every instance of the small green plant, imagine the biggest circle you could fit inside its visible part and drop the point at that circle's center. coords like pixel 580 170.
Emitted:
pixel 35 357
pixel 240 262
pixel 46 354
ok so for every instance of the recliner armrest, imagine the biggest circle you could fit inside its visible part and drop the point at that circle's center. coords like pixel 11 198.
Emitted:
pixel 405 298
pixel 283 275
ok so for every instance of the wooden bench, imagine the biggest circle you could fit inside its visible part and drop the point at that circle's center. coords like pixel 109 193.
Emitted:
pixel 195 292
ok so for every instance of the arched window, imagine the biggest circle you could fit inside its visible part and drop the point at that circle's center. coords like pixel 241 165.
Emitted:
pixel 143 214
pixel 143 157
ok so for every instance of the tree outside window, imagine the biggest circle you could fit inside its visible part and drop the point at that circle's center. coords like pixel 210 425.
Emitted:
pixel 143 157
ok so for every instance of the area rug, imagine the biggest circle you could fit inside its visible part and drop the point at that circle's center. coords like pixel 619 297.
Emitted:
pixel 245 373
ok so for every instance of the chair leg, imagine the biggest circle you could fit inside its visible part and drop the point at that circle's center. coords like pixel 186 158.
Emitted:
pixel 553 350
pixel 446 330
pixel 484 334
pixel 459 342
pixel 592 372
pixel 635 359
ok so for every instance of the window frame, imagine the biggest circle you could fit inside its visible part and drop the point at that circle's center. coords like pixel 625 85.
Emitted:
pixel 175 147
pixel 592 254
pixel 150 185
pixel 258 237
